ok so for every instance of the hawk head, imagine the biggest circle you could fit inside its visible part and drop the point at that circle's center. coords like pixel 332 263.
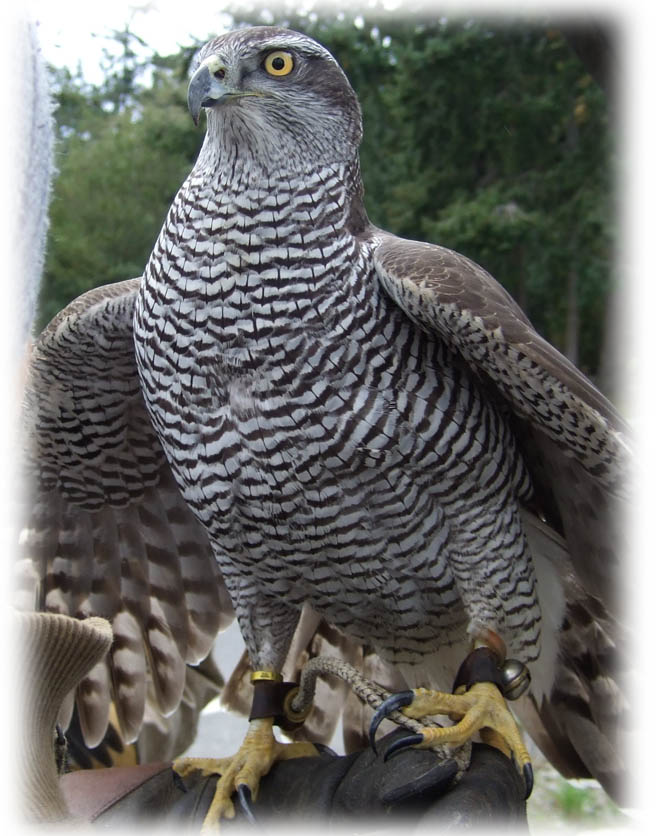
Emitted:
pixel 275 96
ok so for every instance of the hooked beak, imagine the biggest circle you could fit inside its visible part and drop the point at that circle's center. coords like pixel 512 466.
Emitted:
pixel 205 89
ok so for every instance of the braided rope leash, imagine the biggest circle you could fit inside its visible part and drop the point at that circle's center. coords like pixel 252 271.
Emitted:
pixel 374 695
pixel 300 700
pixel 481 665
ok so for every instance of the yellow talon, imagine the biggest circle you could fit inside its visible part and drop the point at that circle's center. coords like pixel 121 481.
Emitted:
pixel 482 707
pixel 257 754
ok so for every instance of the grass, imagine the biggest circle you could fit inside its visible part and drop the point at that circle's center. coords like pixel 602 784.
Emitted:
pixel 570 805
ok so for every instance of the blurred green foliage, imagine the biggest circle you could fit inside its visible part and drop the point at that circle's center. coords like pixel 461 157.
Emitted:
pixel 488 138
pixel 570 805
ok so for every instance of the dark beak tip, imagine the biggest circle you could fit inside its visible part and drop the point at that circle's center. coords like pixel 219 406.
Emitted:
pixel 199 93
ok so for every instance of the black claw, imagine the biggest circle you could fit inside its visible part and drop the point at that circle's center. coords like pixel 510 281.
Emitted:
pixel 393 703
pixel 402 743
pixel 322 749
pixel 528 779
pixel 245 800
pixel 61 750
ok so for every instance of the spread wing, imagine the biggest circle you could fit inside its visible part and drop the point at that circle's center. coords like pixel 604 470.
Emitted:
pixel 575 445
pixel 106 531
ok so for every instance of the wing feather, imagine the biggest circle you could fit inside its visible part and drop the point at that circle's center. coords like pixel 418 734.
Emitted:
pixel 559 417
pixel 576 449
pixel 106 529
pixel 447 293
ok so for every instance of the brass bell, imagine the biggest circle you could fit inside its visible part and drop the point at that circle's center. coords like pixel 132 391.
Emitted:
pixel 515 678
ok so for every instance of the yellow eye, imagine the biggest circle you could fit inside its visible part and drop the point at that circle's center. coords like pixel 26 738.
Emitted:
pixel 279 63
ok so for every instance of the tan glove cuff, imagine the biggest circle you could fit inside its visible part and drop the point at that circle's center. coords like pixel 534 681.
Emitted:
pixel 53 653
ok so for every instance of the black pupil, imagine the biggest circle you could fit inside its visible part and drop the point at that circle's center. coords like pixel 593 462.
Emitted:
pixel 278 63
